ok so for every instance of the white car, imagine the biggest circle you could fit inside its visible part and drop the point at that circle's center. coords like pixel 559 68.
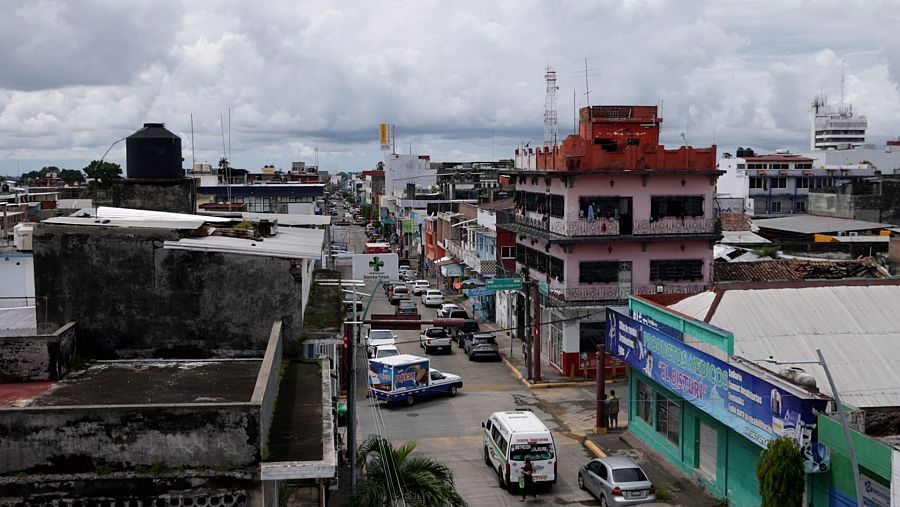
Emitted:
pixel 419 286
pixel 434 338
pixel 407 274
pixel 383 351
pixel 432 297
pixel 378 338
pixel 446 308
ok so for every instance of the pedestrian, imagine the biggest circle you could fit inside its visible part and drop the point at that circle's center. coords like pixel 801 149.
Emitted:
pixel 612 411
pixel 524 352
pixel 527 472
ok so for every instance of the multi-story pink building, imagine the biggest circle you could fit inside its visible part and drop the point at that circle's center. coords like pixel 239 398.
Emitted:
pixel 608 214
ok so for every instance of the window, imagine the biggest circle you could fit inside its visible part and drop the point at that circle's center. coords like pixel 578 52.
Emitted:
pixel 557 268
pixel 668 418
pixel 776 207
pixel 801 207
pixel 676 206
pixel 742 166
pixel 557 206
pixel 675 270
pixel 644 402
pixel 757 182
pixel 598 272
pixel 779 182
pixel 507 252
pixel 607 207
pixel 803 182
pixel 591 334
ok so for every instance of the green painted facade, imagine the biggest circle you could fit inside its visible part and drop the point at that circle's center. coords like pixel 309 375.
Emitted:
pixel 735 477
pixel 873 456
pixel 720 338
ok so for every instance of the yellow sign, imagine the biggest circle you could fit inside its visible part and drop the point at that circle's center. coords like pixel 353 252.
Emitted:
pixel 384 136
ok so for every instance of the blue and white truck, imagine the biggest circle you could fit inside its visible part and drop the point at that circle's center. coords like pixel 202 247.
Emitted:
pixel 407 378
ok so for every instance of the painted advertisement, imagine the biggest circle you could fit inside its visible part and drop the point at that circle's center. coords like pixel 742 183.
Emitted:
pixel 874 494
pixel 379 376
pixel 410 376
pixel 754 407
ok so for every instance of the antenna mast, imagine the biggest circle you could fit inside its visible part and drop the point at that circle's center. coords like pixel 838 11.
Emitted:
pixel 551 117
pixel 587 91
pixel 843 82
pixel 193 154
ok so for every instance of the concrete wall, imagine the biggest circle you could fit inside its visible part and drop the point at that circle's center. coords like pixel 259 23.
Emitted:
pixel 132 298
pixel 72 439
pixel 16 279
pixel 173 195
pixel 266 389
pixel 40 357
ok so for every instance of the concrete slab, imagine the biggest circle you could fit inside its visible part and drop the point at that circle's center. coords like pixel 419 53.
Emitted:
pixel 153 382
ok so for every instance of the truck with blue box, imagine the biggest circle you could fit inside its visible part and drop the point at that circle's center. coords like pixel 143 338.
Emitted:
pixel 407 378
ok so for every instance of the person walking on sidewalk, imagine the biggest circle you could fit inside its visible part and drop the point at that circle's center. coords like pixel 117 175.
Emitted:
pixel 612 409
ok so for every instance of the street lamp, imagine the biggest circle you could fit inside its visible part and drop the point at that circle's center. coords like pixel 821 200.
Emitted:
pixel 843 416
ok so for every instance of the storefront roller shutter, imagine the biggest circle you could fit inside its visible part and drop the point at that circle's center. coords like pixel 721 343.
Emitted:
pixel 708 450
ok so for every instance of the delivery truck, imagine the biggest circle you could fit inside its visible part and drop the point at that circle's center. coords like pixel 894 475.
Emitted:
pixel 407 378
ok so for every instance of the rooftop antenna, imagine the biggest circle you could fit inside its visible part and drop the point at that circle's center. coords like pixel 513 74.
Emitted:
pixel 225 156
pixel 193 154
pixel 574 115
pixel 587 90
pixel 843 82
pixel 551 117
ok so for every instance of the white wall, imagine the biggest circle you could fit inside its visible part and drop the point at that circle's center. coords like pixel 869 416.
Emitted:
pixel 16 279
pixel 402 169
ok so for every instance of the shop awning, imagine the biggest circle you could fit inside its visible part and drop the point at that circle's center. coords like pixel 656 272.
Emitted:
pixel 445 261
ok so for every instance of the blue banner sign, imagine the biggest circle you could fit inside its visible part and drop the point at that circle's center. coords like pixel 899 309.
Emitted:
pixel 478 292
pixel 752 406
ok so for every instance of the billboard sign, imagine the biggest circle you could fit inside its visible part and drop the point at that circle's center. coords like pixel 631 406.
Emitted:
pixel 384 136
pixel 411 376
pixel 379 266
pixel 755 408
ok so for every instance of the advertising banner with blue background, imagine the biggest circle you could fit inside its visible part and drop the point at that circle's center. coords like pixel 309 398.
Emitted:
pixel 754 407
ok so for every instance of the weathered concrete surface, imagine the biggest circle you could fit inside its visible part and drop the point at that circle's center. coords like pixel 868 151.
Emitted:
pixel 37 357
pixel 154 382
pixel 177 195
pixel 132 298
pixel 83 439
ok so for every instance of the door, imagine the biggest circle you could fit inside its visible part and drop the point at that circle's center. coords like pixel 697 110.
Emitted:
pixel 708 450
pixel 624 215
pixel 624 279
pixel 556 340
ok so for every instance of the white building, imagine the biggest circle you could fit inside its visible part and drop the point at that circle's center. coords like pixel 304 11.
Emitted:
pixel 834 129
pixel 400 170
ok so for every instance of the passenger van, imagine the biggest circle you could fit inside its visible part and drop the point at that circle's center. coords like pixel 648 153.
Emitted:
pixel 508 438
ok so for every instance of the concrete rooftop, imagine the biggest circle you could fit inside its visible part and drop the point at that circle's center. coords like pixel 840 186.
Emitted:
pixel 152 382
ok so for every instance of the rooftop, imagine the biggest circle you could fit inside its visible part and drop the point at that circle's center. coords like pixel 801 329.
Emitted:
pixel 795 270
pixel 812 224
pixel 150 382
pixel 21 321
pixel 289 243
pixel 853 322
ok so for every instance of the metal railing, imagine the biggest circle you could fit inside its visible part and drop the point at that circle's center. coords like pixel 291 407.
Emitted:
pixel 584 227
pixel 622 292
pixel 673 225
pixel 604 226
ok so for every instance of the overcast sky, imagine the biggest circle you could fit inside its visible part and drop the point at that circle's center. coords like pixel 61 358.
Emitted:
pixel 460 80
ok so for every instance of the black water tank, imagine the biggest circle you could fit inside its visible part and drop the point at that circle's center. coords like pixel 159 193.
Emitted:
pixel 154 153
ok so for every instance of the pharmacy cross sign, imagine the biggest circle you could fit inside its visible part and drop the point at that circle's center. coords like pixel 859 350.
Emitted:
pixel 376 264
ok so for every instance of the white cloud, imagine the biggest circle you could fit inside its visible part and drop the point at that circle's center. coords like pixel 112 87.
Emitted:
pixel 459 79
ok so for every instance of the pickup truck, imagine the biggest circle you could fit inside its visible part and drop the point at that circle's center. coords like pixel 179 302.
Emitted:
pixel 434 338
pixel 459 334
pixel 406 378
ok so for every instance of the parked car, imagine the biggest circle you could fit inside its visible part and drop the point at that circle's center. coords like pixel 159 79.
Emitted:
pixel 406 307
pixel 445 309
pixel 434 338
pixel 390 284
pixel 378 338
pixel 459 333
pixel 481 344
pixel 432 297
pixel 419 286
pixel 616 480
pixel 408 274
pixel 399 293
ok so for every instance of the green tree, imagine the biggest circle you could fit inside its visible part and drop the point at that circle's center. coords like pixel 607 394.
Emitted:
pixel 423 481
pixel 71 176
pixel 103 174
pixel 780 474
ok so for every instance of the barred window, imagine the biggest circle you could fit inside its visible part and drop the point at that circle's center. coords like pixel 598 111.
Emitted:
pixel 598 272
pixel 676 270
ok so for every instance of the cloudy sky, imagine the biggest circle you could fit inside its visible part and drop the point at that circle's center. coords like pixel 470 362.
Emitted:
pixel 460 80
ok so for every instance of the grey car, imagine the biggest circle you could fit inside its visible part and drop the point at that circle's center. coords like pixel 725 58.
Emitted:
pixel 481 344
pixel 616 480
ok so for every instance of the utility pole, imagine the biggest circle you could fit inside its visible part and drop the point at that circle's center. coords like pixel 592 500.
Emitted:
pixel 351 398
pixel 600 424
pixel 536 362
pixel 528 330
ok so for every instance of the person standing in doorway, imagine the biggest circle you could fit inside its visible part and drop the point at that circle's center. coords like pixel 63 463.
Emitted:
pixel 612 410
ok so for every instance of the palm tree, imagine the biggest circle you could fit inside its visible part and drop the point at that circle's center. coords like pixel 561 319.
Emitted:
pixel 390 473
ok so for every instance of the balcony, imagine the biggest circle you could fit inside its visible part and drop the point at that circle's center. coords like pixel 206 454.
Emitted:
pixel 672 225
pixel 620 293
pixel 584 227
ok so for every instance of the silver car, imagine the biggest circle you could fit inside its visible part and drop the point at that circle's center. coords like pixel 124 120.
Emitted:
pixel 616 480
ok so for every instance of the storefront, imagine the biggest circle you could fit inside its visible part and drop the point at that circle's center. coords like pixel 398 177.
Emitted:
pixel 451 271
pixel 707 414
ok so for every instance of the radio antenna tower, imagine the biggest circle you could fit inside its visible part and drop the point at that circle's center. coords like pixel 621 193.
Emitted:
pixel 551 116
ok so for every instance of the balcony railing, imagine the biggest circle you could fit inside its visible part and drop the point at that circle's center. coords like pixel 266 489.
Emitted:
pixel 584 227
pixel 608 293
pixel 672 225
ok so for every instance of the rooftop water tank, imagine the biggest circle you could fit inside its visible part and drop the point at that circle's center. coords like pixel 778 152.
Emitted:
pixel 154 153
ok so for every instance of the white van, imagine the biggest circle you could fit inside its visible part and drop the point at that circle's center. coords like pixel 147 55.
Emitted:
pixel 509 437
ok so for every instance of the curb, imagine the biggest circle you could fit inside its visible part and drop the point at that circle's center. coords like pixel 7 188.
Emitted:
pixel 544 385
pixel 595 449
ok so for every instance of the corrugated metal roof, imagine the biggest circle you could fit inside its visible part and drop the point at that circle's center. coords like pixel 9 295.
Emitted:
pixel 290 219
pixel 18 321
pixel 118 222
pixel 288 243
pixel 742 237
pixel 855 326
pixel 811 224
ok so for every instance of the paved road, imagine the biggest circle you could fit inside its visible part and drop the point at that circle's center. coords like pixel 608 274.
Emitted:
pixel 449 429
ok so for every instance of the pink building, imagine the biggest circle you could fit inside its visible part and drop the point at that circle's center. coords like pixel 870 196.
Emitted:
pixel 608 214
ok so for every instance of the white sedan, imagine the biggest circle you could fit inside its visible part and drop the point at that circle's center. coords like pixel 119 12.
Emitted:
pixel 446 308
pixel 432 297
